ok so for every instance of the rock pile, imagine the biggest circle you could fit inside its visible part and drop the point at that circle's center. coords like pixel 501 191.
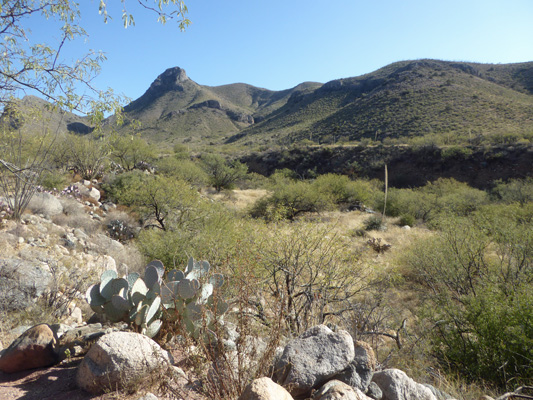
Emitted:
pixel 319 365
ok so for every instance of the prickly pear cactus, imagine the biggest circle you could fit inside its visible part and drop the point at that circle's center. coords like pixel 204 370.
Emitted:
pixel 131 299
pixel 188 295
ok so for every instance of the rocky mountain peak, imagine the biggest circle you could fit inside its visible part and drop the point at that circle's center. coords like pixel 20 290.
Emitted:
pixel 170 79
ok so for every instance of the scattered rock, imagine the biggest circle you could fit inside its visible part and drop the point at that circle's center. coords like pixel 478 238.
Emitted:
pixel 396 385
pixel 119 359
pixel 35 348
pixel 46 204
pixel 265 389
pixel 313 358
pixel 337 390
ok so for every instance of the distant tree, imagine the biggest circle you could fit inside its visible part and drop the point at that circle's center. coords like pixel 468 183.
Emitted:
pixel 130 150
pixel 223 174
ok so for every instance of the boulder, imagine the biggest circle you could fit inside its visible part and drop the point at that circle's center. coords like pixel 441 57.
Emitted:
pixel 119 359
pixel 46 204
pixel 396 385
pixel 312 359
pixel 22 282
pixel 359 373
pixel 337 390
pixel 35 348
pixel 374 392
pixel 264 389
pixel 90 192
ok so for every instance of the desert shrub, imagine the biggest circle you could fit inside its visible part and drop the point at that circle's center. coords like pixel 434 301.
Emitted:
pixel 477 272
pixel 162 202
pixel 427 202
pixel 515 190
pixel 184 169
pixel 54 180
pixel 118 187
pixel 456 197
pixel 374 223
pixel 333 185
pixel 407 220
pixel 215 233
pixel 343 191
pixel 130 150
pixel 282 176
pixel 87 156
pixel 290 200
pixel 456 152
pixel 222 174
pixel 310 270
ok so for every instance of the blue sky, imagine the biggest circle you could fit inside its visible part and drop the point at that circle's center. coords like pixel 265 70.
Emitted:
pixel 279 44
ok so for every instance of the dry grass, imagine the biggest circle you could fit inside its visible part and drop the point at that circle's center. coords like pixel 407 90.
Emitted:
pixel 238 199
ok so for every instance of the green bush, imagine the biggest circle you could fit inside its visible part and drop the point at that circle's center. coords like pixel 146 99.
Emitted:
pixel 343 191
pixel 54 180
pixel 478 273
pixel 118 187
pixel 222 174
pixel 184 169
pixel 374 223
pixel 515 190
pixel 406 220
pixel 130 150
pixel 290 200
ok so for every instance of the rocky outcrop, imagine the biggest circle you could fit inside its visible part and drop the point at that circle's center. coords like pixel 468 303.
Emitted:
pixel 35 348
pixel 313 358
pixel 119 359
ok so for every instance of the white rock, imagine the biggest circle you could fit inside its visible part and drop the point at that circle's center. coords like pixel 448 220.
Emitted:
pixel 396 385
pixel 118 359
pixel 265 389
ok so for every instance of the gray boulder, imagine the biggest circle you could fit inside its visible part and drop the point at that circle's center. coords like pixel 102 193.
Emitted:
pixel 374 392
pixel 396 385
pixel 117 360
pixel 337 390
pixel 360 371
pixel 312 359
pixel 46 204
pixel 21 282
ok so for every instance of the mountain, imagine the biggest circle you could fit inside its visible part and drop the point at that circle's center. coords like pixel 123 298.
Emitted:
pixel 175 108
pixel 33 114
pixel 449 102
pixel 405 100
